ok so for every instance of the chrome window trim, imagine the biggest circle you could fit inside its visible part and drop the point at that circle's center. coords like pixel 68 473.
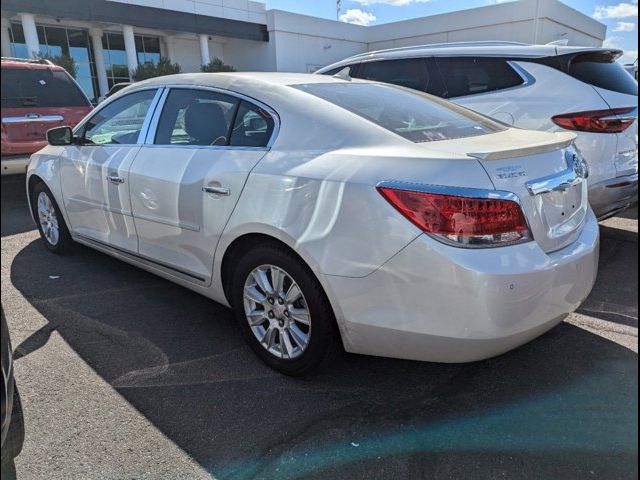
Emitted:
pixel 106 103
pixel 462 192
pixel 151 133
pixel 28 119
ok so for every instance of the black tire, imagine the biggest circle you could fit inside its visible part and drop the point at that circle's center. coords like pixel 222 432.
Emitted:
pixel 15 435
pixel 324 341
pixel 63 242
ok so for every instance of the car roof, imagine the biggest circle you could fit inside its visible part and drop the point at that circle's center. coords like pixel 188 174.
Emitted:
pixel 484 49
pixel 29 64
pixel 222 79
pixel 258 85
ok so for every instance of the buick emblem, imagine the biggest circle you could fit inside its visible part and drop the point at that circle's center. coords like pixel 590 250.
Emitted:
pixel 579 166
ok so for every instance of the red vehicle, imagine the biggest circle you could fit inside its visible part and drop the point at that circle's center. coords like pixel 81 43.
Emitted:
pixel 36 96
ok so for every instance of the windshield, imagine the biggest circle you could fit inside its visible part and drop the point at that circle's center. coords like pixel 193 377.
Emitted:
pixel 410 114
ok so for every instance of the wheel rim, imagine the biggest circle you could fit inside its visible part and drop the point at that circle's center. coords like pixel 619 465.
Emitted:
pixel 277 312
pixel 48 219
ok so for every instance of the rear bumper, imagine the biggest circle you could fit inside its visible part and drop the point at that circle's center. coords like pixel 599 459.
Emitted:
pixel 612 196
pixel 438 303
pixel 14 165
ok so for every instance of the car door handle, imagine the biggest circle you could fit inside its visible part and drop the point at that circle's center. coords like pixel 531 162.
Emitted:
pixel 116 180
pixel 217 190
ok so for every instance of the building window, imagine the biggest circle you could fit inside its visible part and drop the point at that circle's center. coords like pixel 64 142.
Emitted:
pixel 148 49
pixel 115 56
pixel 55 41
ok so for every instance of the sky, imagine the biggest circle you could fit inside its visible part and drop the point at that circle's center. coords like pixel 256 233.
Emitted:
pixel 620 16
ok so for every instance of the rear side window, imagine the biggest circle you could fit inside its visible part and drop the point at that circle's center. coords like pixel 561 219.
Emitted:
pixel 196 117
pixel 410 72
pixel 253 127
pixel 23 87
pixel 469 76
pixel 601 70
pixel 412 115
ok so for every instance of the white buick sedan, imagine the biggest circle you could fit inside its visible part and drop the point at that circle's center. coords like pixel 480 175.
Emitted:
pixel 329 212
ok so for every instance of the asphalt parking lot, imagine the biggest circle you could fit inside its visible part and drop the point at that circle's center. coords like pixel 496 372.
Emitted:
pixel 125 375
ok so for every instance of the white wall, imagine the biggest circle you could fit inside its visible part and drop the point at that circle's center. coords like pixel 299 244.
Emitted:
pixel 303 43
pixel 249 55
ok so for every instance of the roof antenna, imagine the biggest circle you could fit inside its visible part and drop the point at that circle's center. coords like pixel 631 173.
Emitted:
pixel 344 74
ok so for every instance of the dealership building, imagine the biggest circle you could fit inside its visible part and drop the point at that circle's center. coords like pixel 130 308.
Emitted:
pixel 108 39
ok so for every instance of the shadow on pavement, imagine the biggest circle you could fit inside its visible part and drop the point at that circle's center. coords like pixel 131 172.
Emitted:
pixel 563 406
pixel 15 216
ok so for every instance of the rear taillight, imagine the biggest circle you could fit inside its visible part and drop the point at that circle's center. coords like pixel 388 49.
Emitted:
pixel 459 220
pixel 615 120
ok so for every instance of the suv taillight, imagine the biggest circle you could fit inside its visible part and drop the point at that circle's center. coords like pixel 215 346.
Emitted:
pixel 615 120
pixel 461 221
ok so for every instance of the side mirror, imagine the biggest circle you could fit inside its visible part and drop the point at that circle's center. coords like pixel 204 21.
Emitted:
pixel 60 136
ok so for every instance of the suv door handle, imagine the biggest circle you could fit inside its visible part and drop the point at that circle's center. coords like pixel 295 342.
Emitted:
pixel 217 190
pixel 116 180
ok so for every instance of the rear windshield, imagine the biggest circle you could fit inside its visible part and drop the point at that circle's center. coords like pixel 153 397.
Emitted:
pixel 23 87
pixel 410 114
pixel 601 70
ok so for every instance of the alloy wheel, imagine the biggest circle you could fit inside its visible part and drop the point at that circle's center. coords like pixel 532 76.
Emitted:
pixel 48 219
pixel 277 311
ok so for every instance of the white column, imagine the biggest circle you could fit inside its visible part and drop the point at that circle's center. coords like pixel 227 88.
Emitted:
pixel 169 49
pixel 204 49
pixel 130 48
pixel 6 39
pixel 101 69
pixel 30 34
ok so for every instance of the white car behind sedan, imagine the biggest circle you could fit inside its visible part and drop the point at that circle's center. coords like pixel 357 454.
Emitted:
pixel 537 87
pixel 329 212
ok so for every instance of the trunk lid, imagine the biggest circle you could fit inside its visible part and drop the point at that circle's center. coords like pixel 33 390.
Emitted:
pixel 543 170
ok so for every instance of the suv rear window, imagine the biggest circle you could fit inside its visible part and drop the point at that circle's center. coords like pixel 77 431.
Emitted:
pixel 601 70
pixel 469 76
pixel 410 114
pixel 23 87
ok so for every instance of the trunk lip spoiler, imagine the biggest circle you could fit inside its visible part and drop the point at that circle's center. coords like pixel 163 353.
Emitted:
pixel 559 141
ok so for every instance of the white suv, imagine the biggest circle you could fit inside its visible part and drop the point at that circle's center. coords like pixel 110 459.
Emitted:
pixel 541 87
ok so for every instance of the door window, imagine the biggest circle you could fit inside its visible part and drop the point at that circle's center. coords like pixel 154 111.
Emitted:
pixel 410 72
pixel 253 127
pixel 469 76
pixel 196 117
pixel 120 122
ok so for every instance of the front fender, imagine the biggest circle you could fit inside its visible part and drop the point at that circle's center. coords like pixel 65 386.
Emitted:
pixel 45 164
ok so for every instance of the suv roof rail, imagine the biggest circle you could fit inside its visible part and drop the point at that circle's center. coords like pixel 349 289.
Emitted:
pixel 446 45
pixel 42 61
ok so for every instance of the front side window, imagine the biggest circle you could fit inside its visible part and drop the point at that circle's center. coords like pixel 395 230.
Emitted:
pixel 469 76
pixel 412 115
pixel 253 126
pixel 196 117
pixel 120 122
pixel 410 72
